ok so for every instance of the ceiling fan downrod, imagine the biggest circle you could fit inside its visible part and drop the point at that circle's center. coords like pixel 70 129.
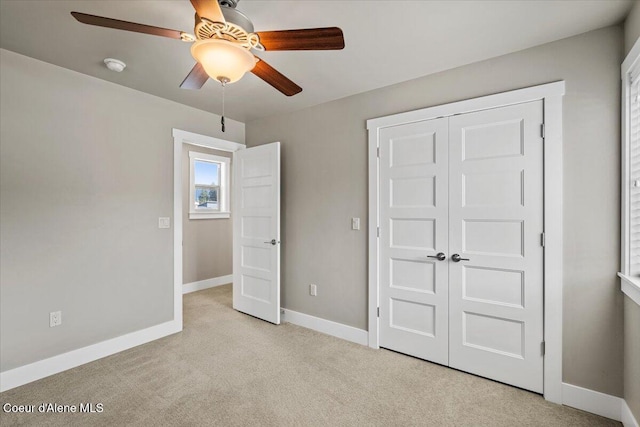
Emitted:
pixel 228 3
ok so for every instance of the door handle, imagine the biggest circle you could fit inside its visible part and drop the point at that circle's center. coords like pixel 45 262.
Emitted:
pixel 440 256
pixel 458 258
pixel 273 242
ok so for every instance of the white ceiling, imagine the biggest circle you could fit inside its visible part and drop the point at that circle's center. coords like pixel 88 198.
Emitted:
pixel 387 42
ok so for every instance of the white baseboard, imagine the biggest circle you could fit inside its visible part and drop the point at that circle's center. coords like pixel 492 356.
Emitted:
pixel 592 401
pixel 628 420
pixel 349 333
pixel 53 365
pixel 206 284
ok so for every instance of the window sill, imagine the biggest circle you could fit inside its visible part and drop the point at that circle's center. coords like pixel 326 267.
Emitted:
pixel 209 215
pixel 631 287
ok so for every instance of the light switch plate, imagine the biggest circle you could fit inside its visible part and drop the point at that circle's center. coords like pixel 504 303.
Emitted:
pixel 164 222
pixel 355 223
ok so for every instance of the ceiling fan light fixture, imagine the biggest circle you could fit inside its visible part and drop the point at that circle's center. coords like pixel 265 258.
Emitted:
pixel 222 59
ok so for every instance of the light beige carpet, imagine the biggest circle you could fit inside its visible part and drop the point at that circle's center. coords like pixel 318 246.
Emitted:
pixel 228 369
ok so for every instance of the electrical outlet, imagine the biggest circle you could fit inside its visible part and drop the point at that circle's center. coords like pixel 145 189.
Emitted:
pixel 355 223
pixel 55 318
pixel 313 290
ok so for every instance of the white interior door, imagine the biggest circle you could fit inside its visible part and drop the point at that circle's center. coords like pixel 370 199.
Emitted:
pixel 256 231
pixel 413 230
pixel 496 222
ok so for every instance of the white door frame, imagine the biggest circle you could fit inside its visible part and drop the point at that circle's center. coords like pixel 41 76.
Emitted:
pixel 551 94
pixel 183 137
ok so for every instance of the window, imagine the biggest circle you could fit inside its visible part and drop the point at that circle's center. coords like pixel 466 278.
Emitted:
pixel 630 257
pixel 634 174
pixel 209 186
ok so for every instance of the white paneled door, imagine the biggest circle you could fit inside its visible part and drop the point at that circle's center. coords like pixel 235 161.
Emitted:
pixel 488 224
pixel 496 222
pixel 256 231
pixel 413 234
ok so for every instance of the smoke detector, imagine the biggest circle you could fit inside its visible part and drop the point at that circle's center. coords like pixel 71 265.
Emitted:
pixel 115 65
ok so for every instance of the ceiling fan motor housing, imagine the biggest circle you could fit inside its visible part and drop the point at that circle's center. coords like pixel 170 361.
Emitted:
pixel 234 16
pixel 238 28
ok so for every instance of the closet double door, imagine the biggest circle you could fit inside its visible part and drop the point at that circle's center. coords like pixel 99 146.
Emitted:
pixel 461 250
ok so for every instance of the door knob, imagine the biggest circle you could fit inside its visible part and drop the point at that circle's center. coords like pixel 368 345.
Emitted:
pixel 458 258
pixel 273 242
pixel 440 256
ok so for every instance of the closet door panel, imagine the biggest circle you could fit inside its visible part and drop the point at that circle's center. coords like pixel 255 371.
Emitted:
pixel 413 230
pixel 495 223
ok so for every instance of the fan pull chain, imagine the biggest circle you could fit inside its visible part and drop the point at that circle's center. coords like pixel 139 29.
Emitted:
pixel 224 83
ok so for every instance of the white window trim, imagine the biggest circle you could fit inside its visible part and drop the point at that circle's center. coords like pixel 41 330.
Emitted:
pixel 225 188
pixel 629 285
pixel 551 94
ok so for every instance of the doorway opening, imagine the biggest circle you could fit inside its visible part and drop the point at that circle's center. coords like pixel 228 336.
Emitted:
pixel 203 233
pixel 240 188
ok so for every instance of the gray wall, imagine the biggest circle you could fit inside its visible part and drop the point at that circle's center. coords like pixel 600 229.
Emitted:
pixel 207 249
pixel 86 169
pixel 632 355
pixel 631 309
pixel 632 27
pixel 324 155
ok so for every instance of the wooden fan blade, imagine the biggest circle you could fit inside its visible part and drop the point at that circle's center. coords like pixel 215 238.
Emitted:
pixel 125 25
pixel 310 39
pixel 276 79
pixel 196 78
pixel 209 9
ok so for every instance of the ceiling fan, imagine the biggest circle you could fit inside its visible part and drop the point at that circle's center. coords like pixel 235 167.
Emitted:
pixel 223 40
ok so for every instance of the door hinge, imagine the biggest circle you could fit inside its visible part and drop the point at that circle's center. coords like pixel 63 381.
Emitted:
pixel 542 130
pixel 378 311
pixel 542 348
pixel 378 231
pixel 378 152
pixel 542 239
